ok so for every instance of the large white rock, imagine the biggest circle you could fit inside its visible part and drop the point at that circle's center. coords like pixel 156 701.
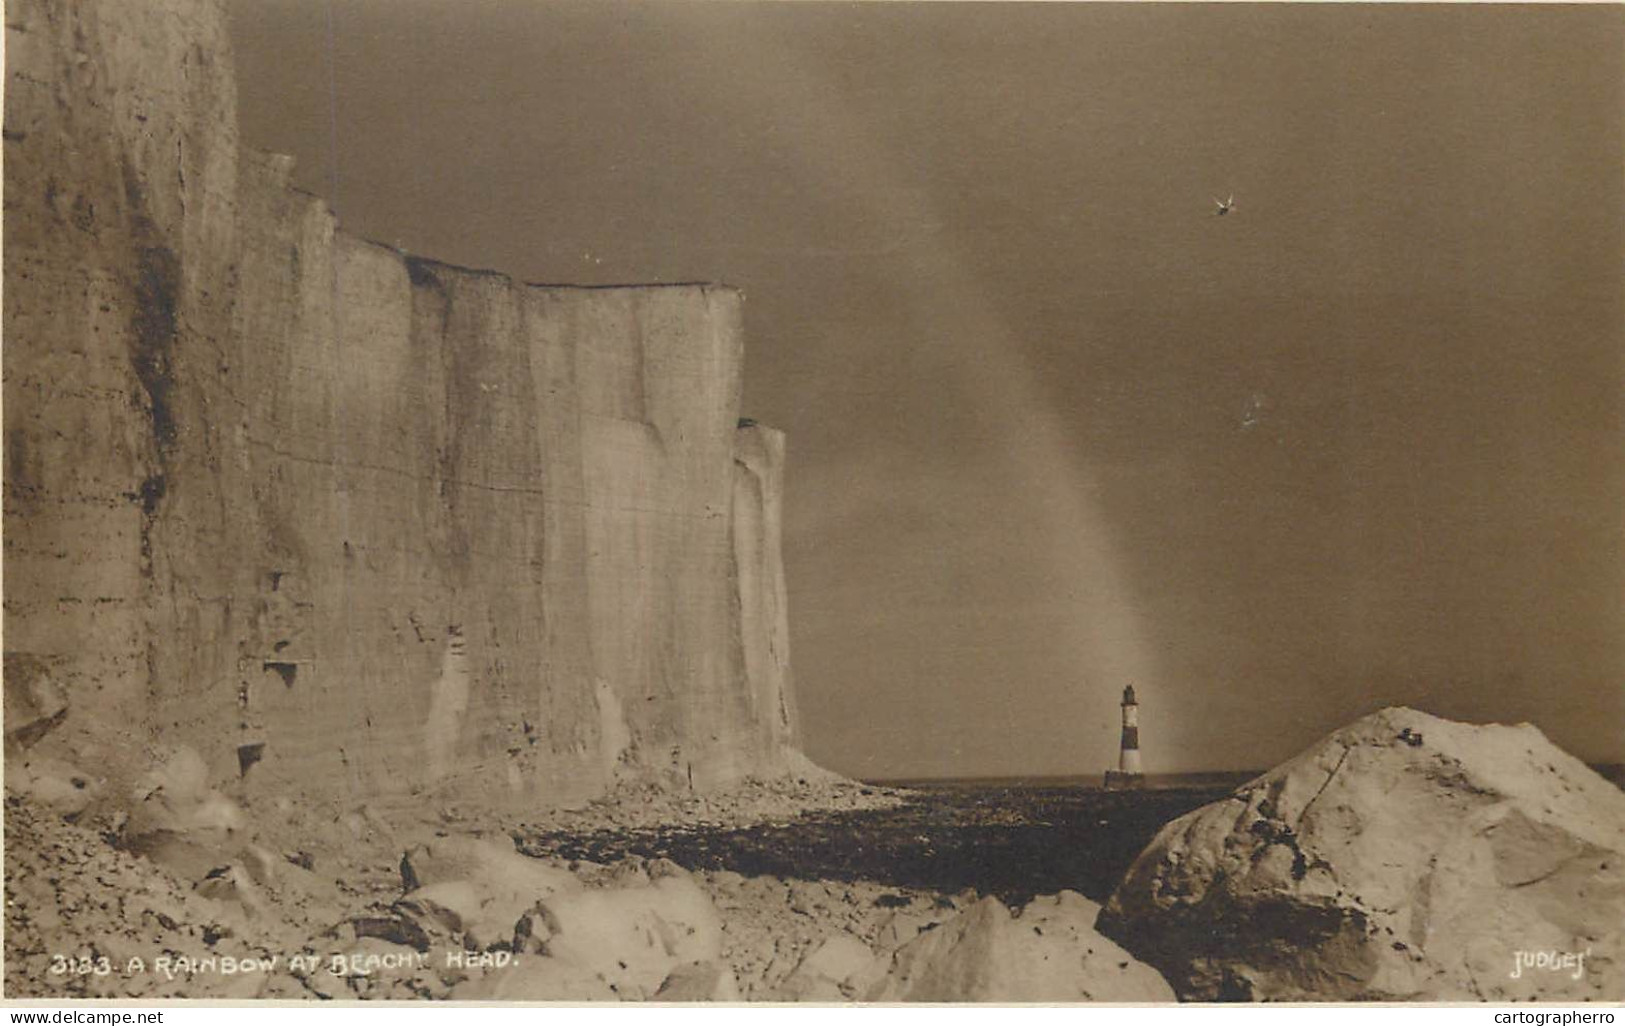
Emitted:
pixel 699 981
pixel 34 705
pixel 57 785
pixel 632 937
pixel 475 888
pixel 622 937
pixel 834 970
pixel 179 821
pixel 531 978
pixel 1404 856
pixel 1050 952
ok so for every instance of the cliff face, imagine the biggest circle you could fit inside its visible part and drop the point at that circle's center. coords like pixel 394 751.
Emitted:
pixel 344 520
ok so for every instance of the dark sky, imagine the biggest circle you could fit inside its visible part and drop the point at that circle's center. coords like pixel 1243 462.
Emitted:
pixel 1053 425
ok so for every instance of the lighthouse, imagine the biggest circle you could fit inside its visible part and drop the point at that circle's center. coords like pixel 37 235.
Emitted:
pixel 1128 757
pixel 1128 772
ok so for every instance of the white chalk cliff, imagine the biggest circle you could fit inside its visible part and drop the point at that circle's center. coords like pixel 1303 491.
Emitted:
pixel 342 520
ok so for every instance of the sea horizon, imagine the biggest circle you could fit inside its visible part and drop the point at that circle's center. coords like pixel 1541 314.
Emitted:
pixel 1612 771
pixel 1208 778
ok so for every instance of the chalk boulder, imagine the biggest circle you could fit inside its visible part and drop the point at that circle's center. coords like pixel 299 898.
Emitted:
pixel 836 969
pixel 1403 857
pixel 1048 952
pixel 534 979
pixel 34 705
pixel 179 821
pixel 699 981
pixel 632 937
pixel 475 889
pixel 57 785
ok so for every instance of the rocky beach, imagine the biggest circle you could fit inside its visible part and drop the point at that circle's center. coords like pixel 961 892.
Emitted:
pixel 778 891
pixel 833 891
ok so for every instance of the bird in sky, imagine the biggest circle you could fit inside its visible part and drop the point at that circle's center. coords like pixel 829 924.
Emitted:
pixel 1224 205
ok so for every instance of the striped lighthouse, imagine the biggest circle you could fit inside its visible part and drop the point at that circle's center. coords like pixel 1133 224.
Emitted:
pixel 1128 757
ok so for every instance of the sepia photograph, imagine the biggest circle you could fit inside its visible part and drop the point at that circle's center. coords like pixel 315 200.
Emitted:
pixel 810 501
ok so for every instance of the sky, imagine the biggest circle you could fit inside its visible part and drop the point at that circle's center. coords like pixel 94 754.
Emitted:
pixel 1054 426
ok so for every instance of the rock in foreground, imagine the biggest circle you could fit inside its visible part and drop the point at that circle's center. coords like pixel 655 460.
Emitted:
pixel 1403 857
pixel 1049 952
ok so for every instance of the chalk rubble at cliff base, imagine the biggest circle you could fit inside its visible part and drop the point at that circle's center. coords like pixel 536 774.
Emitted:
pixel 1402 857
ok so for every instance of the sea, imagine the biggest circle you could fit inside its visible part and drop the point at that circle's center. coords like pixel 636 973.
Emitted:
pixel 1227 780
